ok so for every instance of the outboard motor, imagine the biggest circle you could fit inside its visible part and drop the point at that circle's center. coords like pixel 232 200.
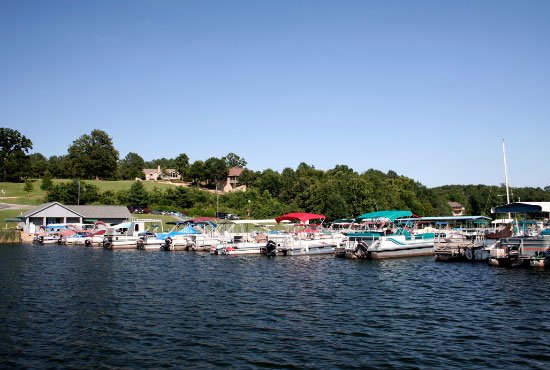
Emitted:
pixel 106 243
pixel 361 250
pixel 167 244
pixel 141 243
pixel 270 248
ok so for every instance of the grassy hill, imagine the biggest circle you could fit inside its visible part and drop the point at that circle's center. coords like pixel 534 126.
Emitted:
pixel 14 193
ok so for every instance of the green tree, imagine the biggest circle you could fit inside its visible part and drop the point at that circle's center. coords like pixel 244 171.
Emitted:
pixel 58 167
pixel 109 197
pixel 46 181
pixel 233 160
pixel 196 173
pixel 14 161
pixel 181 164
pixel 131 167
pixel 137 195
pixel 29 187
pixel 248 177
pixel 162 162
pixel 271 181
pixel 38 165
pixel 178 196
pixel 326 199
pixel 74 192
pixel 93 156
pixel 215 170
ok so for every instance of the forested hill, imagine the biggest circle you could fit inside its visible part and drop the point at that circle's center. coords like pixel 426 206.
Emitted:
pixel 337 193
pixel 340 192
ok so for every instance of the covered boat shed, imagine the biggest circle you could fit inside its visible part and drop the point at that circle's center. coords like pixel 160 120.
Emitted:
pixel 57 213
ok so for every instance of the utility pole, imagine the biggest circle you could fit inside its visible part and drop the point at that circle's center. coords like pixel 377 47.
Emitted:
pixel 217 199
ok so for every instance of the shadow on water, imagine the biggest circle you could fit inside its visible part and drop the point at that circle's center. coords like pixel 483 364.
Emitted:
pixel 83 307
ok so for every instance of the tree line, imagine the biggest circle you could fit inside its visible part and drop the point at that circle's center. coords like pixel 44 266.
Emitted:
pixel 93 156
pixel 338 193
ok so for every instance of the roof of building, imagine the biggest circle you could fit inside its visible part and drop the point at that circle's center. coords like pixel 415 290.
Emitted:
pixel 150 171
pixel 156 170
pixel 523 207
pixel 235 171
pixel 93 211
pixel 455 204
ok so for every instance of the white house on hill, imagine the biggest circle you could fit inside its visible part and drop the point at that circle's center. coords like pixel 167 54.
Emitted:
pixel 156 174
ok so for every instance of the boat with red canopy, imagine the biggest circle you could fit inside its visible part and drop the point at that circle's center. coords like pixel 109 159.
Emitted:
pixel 306 238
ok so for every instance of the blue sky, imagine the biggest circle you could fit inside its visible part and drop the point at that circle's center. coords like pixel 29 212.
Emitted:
pixel 428 89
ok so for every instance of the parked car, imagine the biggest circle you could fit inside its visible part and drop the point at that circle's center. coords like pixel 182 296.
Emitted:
pixel 178 215
pixel 136 209
pixel 227 216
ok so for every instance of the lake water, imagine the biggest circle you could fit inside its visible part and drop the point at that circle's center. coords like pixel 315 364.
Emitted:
pixel 78 307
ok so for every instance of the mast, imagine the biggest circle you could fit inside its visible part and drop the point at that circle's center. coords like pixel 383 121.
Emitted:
pixel 505 173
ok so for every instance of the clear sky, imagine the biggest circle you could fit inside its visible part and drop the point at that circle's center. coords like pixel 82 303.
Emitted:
pixel 428 89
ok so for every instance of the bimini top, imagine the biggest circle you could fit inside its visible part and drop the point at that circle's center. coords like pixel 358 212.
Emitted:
pixel 299 216
pixel 523 207
pixel 390 215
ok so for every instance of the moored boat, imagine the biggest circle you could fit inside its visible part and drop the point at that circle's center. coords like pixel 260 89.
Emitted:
pixel 132 233
pixel 192 235
pixel 247 236
pixel 305 238
pixel 397 240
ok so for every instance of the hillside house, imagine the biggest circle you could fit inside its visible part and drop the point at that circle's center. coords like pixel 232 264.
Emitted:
pixel 231 183
pixel 457 208
pixel 152 174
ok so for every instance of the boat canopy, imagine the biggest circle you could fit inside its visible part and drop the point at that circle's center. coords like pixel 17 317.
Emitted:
pixel 187 230
pixel 390 215
pixel 299 216
pixel 343 221
pixel 249 222
pixel 502 221
pixel 523 207
pixel 177 223
pixel 123 225
pixel 445 219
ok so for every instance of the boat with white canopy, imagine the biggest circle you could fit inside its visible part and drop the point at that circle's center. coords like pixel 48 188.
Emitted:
pixel 134 233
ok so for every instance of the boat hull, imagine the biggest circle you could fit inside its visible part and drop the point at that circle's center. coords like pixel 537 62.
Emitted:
pixel 308 251
pixel 416 251
pixel 398 246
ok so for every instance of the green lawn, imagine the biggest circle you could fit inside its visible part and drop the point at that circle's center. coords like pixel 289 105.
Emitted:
pixel 13 193
pixel 9 213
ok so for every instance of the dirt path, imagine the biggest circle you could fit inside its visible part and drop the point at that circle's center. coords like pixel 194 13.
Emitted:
pixel 15 206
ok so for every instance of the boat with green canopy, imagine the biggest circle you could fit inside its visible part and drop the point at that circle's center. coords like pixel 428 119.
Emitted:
pixel 391 238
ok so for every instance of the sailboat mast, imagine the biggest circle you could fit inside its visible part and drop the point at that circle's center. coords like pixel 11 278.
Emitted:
pixel 505 172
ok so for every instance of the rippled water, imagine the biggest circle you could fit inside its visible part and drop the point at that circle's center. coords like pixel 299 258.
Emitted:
pixel 79 307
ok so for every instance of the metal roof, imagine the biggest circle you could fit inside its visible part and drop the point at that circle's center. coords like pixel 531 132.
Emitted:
pixel 94 211
pixel 523 207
